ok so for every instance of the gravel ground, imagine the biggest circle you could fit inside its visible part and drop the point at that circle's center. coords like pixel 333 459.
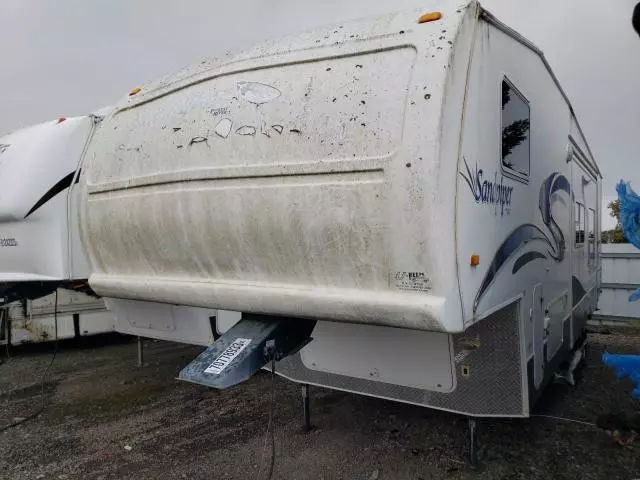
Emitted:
pixel 106 418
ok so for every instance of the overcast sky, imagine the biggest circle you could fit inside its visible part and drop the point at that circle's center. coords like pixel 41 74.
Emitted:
pixel 69 57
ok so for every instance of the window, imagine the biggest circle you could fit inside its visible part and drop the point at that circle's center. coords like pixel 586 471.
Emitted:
pixel 591 225
pixel 515 131
pixel 579 223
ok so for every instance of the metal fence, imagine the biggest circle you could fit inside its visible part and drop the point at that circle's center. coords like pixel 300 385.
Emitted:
pixel 620 276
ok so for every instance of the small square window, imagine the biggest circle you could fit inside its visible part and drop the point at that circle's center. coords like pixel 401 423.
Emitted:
pixel 515 130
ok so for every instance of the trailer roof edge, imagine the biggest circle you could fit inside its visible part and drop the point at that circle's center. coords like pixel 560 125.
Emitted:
pixel 491 19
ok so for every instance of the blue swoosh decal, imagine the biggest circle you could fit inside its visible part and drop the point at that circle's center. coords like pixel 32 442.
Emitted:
pixel 526 258
pixel 517 239
pixel 555 242
pixel 552 184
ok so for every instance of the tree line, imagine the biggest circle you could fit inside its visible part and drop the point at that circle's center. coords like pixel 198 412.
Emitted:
pixel 615 235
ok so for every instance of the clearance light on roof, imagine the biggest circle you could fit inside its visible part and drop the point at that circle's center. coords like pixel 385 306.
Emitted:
pixel 430 17
pixel 475 260
pixel 61 119
pixel 134 91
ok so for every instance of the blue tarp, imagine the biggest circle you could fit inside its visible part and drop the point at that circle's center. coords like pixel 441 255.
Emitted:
pixel 626 366
pixel 630 219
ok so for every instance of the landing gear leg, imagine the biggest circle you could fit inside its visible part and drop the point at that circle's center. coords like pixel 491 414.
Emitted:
pixel 140 352
pixel 577 358
pixel 306 410
pixel 473 442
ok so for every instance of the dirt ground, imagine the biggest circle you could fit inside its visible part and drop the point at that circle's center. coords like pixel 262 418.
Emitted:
pixel 106 418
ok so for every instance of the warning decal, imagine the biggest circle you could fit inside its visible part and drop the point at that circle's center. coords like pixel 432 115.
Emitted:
pixel 412 281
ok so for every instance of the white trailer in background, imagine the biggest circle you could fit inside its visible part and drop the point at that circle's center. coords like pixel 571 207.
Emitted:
pixel 402 206
pixel 34 321
pixel 40 250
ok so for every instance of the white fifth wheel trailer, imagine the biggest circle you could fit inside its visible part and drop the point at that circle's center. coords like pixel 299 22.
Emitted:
pixel 40 249
pixel 402 206
pixel 38 180
pixel 71 315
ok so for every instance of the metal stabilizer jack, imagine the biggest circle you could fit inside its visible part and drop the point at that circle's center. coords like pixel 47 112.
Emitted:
pixel 567 374
pixel 306 408
pixel 473 442
pixel 240 352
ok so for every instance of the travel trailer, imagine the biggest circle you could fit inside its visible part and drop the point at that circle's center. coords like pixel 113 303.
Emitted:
pixel 72 315
pixel 38 182
pixel 402 206
pixel 40 248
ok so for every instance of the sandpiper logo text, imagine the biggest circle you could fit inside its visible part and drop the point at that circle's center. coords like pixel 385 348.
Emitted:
pixel 492 192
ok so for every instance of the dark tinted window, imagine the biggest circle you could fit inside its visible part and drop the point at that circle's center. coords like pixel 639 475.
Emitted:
pixel 515 130
pixel 591 222
pixel 579 223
